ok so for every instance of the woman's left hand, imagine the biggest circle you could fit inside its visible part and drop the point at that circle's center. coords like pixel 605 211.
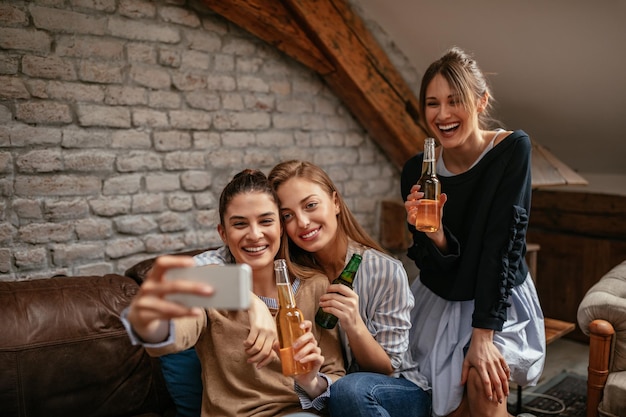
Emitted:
pixel 493 370
pixel 263 336
pixel 341 301
pixel 306 351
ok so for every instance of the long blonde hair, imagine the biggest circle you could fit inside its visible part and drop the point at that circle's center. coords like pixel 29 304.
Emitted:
pixel 346 221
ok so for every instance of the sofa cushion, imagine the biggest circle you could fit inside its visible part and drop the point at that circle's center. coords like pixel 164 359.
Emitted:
pixel 64 350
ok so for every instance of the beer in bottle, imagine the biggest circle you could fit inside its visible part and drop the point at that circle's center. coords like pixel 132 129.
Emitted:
pixel 328 320
pixel 428 215
pixel 288 322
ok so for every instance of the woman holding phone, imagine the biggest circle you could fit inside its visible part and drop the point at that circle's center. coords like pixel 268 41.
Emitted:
pixel 236 382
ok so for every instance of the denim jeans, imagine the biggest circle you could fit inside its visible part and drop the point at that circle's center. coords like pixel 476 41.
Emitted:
pixel 361 394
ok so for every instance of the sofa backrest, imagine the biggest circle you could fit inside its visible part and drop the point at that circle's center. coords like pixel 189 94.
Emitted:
pixel 64 351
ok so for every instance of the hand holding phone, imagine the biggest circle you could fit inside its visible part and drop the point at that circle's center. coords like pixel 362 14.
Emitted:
pixel 232 285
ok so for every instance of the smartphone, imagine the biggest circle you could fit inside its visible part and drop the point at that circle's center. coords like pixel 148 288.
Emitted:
pixel 232 284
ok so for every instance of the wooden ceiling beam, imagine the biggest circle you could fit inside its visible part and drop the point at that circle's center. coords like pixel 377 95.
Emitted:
pixel 346 56
pixel 270 21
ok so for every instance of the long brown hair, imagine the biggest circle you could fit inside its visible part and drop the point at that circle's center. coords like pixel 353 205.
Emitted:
pixel 347 224
pixel 255 181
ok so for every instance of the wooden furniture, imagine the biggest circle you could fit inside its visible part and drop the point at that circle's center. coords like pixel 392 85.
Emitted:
pixel 582 236
pixel 602 315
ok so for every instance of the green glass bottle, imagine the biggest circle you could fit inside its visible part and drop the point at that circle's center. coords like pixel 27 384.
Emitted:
pixel 327 320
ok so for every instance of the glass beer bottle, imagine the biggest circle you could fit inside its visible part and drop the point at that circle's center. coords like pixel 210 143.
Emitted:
pixel 428 216
pixel 328 320
pixel 288 322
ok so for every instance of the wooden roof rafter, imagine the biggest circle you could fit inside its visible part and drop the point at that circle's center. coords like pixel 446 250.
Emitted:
pixel 330 39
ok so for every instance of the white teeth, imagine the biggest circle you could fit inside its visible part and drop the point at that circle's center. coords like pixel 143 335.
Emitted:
pixel 448 126
pixel 255 249
pixel 310 234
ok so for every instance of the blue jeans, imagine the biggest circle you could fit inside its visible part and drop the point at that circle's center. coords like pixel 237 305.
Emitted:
pixel 361 394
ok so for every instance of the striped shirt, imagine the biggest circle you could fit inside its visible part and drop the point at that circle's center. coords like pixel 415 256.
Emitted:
pixel 385 303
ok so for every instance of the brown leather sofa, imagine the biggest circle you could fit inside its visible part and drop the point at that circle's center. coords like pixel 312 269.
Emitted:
pixel 64 351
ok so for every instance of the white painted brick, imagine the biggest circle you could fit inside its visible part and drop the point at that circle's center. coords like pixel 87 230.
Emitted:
pixel 149 117
pixel 93 229
pixel 111 206
pixel 40 160
pixel 100 72
pixel 101 5
pixel 24 135
pixel 138 161
pixel 179 202
pixel 164 243
pixel 58 20
pixel 61 210
pixel 13 88
pixel 171 140
pixel 137 8
pixel 56 185
pixel 148 203
pixel 28 259
pixel 12 16
pixel 5 262
pixel 164 100
pixel 130 139
pixel 195 180
pixel 89 47
pixel 203 41
pixel 43 112
pixel 156 183
pixel 125 95
pixel 134 224
pixel 74 91
pixel 203 100
pixel 7 231
pixel 140 30
pixel 89 161
pixel 183 160
pixel 36 233
pixel 189 81
pixel 95 115
pixel 150 77
pixel 172 222
pixel 190 119
pixel 141 53
pixel 86 138
pixel 118 248
pixel 26 40
pixel 122 184
pixel 179 16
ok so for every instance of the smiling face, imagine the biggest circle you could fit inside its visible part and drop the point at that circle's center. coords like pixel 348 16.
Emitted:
pixel 447 117
pixel 309 213
pixel 251 229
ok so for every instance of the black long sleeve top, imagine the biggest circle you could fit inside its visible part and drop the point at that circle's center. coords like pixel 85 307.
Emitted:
pixel 485 221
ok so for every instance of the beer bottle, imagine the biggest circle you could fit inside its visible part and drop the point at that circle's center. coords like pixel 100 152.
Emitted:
pixel 428 215
pixel 328 320
pixel 288 322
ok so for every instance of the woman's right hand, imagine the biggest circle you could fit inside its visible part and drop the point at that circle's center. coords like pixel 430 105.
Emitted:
pixel 149 312
pixel 263 334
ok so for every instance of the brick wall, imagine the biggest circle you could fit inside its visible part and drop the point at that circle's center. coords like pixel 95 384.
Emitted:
pixel 121 121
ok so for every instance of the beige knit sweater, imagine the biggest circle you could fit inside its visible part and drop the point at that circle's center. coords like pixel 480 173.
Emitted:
pixel 232 387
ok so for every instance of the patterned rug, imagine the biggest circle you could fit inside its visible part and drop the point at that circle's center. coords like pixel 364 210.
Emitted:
pixel 564 395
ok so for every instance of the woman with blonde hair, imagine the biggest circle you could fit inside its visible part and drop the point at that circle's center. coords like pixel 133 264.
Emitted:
pixel 374 316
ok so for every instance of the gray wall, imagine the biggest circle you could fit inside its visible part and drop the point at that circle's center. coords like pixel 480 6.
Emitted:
pixel 120 122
